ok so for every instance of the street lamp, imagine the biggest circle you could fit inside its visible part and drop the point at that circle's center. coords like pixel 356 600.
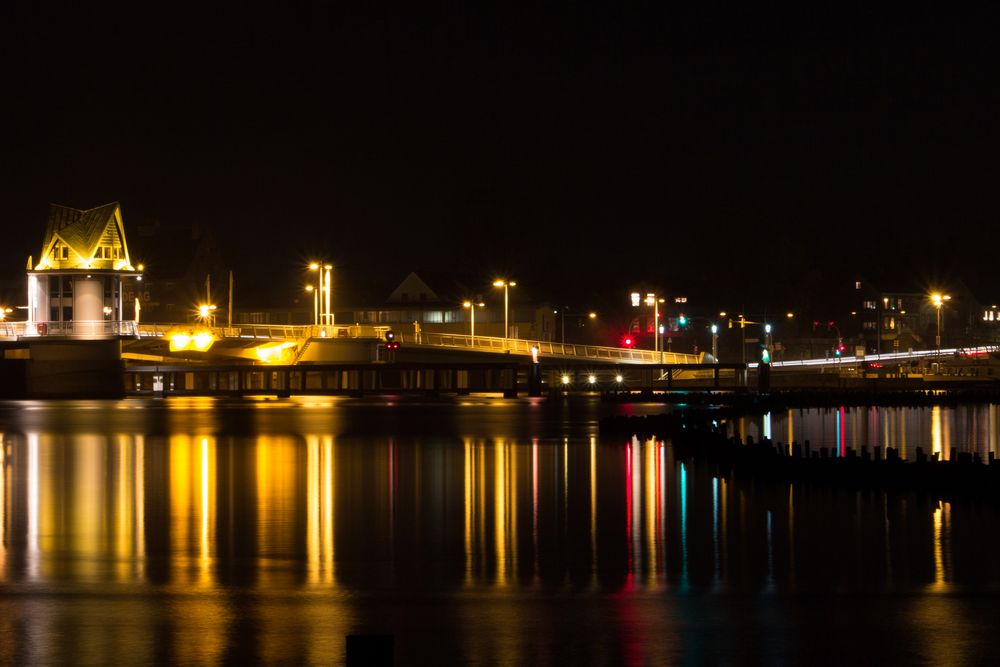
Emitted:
pixel 205 312
pixel 472 310
pixel 506 285
pixel 315 293
pixel 715 342
pixel 938 299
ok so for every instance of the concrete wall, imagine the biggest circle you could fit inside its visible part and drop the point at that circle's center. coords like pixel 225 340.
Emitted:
pixel 84 369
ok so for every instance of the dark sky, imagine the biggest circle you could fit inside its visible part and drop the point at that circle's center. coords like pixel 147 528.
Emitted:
pixel 733 157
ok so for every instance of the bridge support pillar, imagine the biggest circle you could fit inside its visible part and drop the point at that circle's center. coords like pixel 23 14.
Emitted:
pixel 535 380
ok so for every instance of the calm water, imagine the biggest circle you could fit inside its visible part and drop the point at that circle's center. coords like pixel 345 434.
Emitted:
pixel 475 532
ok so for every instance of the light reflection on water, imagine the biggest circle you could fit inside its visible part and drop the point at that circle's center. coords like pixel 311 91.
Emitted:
pixel 265 532
pixel 937 429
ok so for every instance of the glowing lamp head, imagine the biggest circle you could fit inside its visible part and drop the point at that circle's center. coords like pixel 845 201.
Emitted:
pixel 203 310
pixel 619 378
pixel 591 379
pixel 564 379
pixel 314 266
pixel 715 329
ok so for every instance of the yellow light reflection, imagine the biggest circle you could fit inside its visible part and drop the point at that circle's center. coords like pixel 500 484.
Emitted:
pixel 468 504
pixel 320 509
pixel 593 507
pixel 276 492
pixel 936 438
pixel 650 481
pixel 500 511
pixel 942 526
pixel 193 505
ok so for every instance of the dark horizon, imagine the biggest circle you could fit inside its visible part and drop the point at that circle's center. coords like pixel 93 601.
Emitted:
pixel 744 157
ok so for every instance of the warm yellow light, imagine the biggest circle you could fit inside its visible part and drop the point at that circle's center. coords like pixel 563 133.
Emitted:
pixel 142 267
pixel 179 341
pixel 498 283
pixel 271 353
pixel 618 378
pixel 314 266
pixel 565 379
pixel 203 310
pixel 328 266
pixel 591 379
pixel 202 341
pixel 722 313
pixel 592 315
pixel 107 310
pixel 309 288
pixel 789 315
pixel 466 304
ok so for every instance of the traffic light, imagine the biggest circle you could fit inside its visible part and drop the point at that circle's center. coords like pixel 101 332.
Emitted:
pixel 765 355
pixel 839 350
pixel 682 320
pixel 627 341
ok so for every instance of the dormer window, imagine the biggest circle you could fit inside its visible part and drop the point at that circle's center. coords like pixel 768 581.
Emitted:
pixel 63 252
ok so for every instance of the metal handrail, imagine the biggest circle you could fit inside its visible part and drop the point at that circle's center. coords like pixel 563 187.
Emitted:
pixel 548 348
pixel 71 329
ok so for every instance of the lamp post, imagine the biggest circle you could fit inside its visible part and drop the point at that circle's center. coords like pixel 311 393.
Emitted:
pixel 506 285
pixel 715 342
pixel 938 300
pixel 329 289
pixel 654 301
pixel 472 317
pixel 314 266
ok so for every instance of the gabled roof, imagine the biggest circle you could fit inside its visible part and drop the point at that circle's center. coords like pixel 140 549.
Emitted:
pixel 439 288
pixel 82 230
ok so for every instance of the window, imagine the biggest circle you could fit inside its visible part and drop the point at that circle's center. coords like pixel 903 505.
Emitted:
pixel 64 252
pixel 434 317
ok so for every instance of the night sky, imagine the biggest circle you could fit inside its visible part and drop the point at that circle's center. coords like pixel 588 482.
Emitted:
pixel 754 157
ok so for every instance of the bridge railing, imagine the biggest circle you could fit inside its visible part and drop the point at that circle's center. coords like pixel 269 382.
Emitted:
pixel 270 331
pixel 548 348
pixel 73 329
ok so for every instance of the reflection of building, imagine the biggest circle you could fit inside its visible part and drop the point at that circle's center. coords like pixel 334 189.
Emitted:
pixel 76 286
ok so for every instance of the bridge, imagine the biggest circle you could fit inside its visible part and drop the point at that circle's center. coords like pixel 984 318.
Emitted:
pixel 288 345
pixel 296 339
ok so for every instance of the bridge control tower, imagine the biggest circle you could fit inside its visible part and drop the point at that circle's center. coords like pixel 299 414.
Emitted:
pixel 75 288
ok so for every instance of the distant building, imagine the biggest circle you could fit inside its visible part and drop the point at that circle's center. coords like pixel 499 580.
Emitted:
pixel 178 259
pixel 77 285
pixel 434 302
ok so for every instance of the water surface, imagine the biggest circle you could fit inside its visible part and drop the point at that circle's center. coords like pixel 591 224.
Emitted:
pixel 475 531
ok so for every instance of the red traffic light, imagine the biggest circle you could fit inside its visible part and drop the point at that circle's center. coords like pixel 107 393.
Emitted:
pixel 627 341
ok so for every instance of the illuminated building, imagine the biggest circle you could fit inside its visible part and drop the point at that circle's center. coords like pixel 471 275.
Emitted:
pixel 75 287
